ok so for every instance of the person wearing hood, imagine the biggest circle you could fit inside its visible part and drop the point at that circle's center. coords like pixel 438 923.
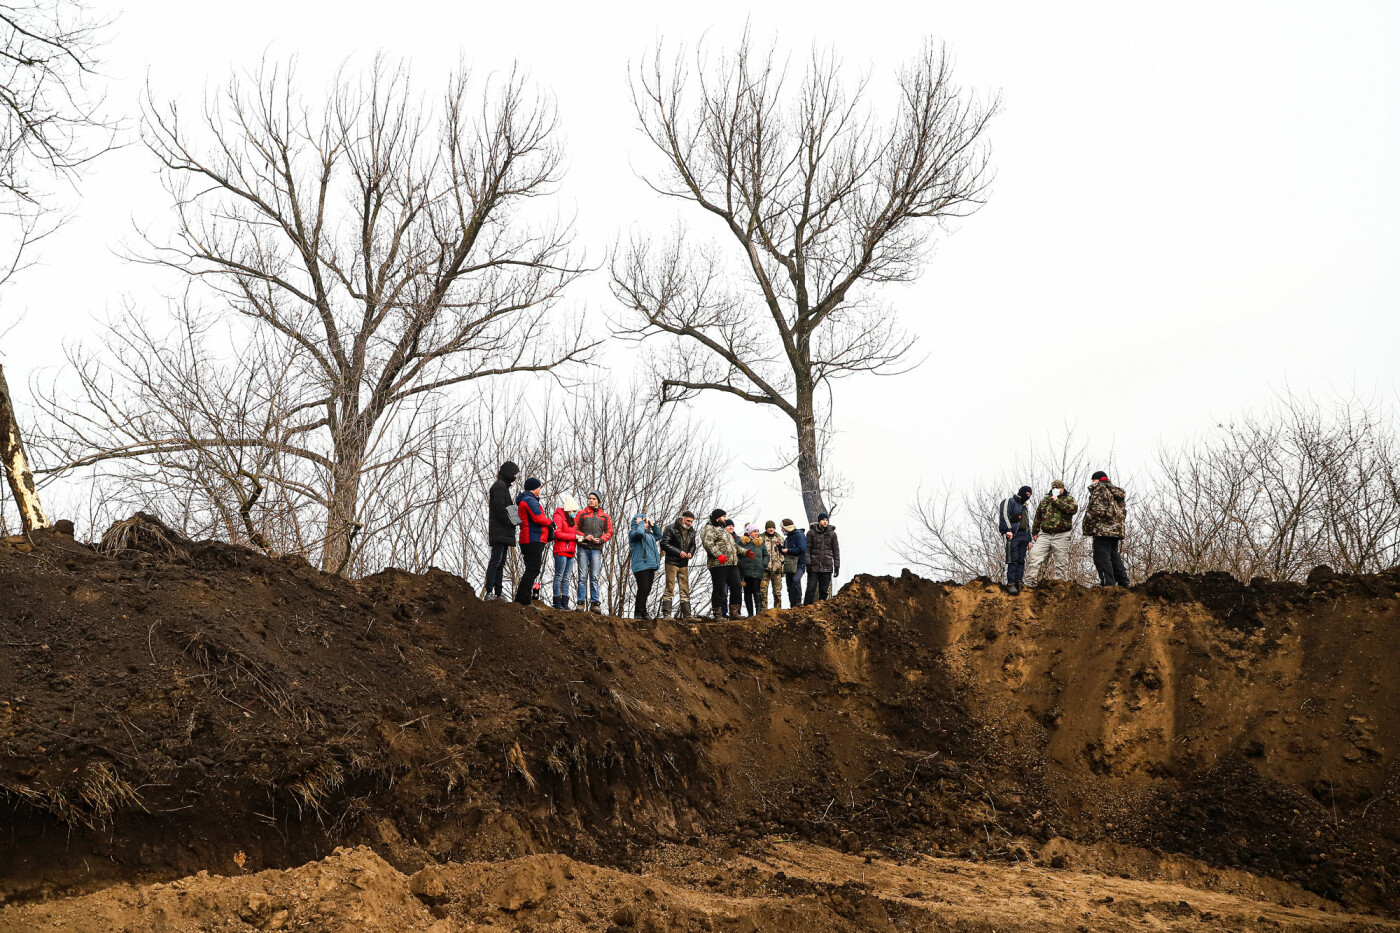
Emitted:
pixel 645 540
pixel 1014 526
pixel 794 560
pixel 773 573
pixel 723 553
pixel 535 528
pixel 1050 534
pixel 823 559
pixel 500 529
pixel 595 530
pixel 565 549
pixel 753 567
pixel 678 544
pixel 1105 520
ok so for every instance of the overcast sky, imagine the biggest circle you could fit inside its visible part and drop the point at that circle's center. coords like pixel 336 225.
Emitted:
pixel 1195 206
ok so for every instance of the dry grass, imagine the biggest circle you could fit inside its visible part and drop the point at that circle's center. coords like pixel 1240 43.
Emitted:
pixel 142 532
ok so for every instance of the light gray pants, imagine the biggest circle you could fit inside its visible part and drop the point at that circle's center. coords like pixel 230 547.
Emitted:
pixel 1054 548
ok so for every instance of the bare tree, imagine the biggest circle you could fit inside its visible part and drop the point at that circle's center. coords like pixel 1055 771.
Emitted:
pixel 387 251
pixel 51 121
pixel 15 462
pixel 823 202
pixel 169 424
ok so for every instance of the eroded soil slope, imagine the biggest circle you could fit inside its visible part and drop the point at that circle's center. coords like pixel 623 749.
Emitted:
pixel 201 707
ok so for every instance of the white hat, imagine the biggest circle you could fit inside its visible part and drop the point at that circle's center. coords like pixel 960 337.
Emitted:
pixel 570 503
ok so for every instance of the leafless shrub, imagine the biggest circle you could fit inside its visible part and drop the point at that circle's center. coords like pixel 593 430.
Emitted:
pixel 1267 495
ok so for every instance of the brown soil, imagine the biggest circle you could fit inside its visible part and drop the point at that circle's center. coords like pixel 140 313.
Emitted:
pixel 187 707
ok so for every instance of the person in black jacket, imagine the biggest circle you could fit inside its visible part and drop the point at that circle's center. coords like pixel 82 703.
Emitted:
pixel 823 559
pixel 1014 524
pixel 678 544
pixel 500 529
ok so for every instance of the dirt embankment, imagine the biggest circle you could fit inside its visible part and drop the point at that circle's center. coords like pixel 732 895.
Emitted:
pixel 199 707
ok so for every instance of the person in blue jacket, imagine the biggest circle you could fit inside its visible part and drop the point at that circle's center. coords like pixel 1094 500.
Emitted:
pixel 794 560
pixel 645 539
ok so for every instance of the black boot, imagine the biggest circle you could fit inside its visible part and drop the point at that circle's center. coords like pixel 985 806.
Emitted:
pixel 665 609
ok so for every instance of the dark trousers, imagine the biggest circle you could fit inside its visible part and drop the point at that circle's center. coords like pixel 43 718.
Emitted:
pixel 725 590
pixel 753 595
pixel 1016 559
pixel 1108 563
pixel 533 555
pixel 644 581
pixel 818 586
pixel 496 568
pixel 794 583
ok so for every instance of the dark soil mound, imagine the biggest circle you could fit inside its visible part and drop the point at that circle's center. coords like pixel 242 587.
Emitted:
pixel 165 710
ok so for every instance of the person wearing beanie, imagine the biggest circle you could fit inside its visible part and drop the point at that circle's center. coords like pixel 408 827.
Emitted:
pixel 723 562
pixel 1050 534
pixel 823 559
pixel 501 520
pixel 565 549
pixel 1014 525
pixel 753 564
pixel 794 560
pixel 1105 520
pixel 595 530
pixel 535 532
pixel 644 539
pixel 678 544
pixel 773 573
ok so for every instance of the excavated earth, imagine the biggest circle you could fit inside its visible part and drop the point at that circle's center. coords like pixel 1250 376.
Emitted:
pixel 194 736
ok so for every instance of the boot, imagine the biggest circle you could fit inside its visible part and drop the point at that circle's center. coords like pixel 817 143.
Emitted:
pixel 685 609
pixel 736 610
pixel 581 606
pixel 595 608
pixel 665 609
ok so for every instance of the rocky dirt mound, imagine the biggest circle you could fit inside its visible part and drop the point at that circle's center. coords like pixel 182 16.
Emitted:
pixel 169 710
pixel 784 888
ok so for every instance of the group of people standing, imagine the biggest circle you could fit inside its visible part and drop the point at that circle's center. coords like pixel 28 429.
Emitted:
pixel 1047 534
pixel 744 568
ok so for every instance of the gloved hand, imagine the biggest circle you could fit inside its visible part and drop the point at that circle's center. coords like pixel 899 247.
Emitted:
pixel 722 559
pixel 749 554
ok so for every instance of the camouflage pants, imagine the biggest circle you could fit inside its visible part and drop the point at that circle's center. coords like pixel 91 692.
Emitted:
pixel 773 579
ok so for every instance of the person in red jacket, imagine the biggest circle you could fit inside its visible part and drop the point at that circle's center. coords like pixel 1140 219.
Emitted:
pixel 565 544
pixel 535 527
pixel 595 530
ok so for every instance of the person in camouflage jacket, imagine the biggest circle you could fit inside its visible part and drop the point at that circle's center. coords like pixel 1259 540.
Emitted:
pixel 1105 520
pixel 773 576
pixel 722 553
pixel 1054 520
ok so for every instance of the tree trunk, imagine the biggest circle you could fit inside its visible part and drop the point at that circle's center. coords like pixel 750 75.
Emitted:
pixel 343 507
pixel 808 461
pixel 16 463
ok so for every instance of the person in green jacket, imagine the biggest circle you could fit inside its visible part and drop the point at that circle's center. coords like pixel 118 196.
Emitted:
pixel 753 566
